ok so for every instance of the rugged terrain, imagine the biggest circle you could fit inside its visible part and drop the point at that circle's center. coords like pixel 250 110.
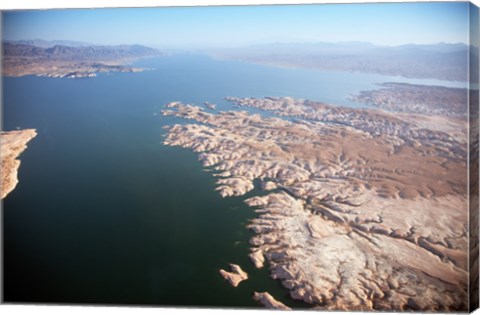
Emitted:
pixel 420 99
pixel 362 209
pixel 269 302
pixel 12 144
pixel 474 192
pixel 236 275
pixel 70 61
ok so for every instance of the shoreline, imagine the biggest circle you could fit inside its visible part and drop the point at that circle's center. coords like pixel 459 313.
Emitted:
pixel 331 201
pixel 13 143
pixel 70 70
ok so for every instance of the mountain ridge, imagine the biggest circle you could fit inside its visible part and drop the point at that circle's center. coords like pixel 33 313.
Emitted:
pixel 49 43
pixel 93 52
pixel 442 61
pixel 20 59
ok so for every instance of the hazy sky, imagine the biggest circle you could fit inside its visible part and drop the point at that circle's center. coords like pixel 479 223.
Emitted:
pixel 384 24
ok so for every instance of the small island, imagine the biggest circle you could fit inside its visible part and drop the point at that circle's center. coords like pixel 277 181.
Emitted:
pixel 235 276
pixel 12 144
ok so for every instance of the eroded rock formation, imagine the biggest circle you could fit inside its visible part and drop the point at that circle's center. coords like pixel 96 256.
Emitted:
pixel 269 302
pixel 12 144
pixel 365 209
pixel 235 276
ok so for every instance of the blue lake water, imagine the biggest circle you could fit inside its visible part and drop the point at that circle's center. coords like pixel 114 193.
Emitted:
pixel 104 213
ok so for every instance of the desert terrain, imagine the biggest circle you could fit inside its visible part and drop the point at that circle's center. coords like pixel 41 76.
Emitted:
pixel 12 144
pixel 20 59
pixel 421 99
pixel 361 209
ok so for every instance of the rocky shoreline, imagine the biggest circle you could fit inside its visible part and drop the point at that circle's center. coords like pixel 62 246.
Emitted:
pixel 86 71
pixel 12 144
pixel 68 70
pixel 365 210
pixel 269 302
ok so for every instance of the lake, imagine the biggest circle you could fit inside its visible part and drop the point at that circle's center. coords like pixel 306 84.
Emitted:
pixel 104 213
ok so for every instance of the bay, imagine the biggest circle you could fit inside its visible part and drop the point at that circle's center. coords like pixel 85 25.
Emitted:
pixel 104 213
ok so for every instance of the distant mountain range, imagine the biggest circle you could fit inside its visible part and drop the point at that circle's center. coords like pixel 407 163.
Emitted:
pixel 48 43
pixel 21 58
pixel 77 53
pixel 439 61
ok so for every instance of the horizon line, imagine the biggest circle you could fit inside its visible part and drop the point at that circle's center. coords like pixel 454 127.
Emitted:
pixel 216 45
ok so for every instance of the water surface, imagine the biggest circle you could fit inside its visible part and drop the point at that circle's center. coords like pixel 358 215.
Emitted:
pixel 104 213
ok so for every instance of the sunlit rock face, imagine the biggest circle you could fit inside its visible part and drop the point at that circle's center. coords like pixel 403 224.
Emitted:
pixel 362 209
pixel 12 144
pixel 235 276
pixel 269 301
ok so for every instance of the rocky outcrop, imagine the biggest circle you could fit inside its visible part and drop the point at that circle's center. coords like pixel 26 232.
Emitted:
pixel 12 144
pixel 236 275
pixel 256 256
pixel 210 105
pixel 269 302
pixel 360 209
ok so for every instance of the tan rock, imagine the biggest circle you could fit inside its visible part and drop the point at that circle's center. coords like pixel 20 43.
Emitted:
pixel 257 258
pixel 236 275
pixel 12 144
pixel 372 207
pixel 269 302
pixel 269 185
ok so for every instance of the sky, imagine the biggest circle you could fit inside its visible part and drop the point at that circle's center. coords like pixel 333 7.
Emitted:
pixel 389 24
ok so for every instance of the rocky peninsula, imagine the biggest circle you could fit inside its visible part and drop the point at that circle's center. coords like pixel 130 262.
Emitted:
pixel 362 209
pixel 12 144
pixel 269 302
